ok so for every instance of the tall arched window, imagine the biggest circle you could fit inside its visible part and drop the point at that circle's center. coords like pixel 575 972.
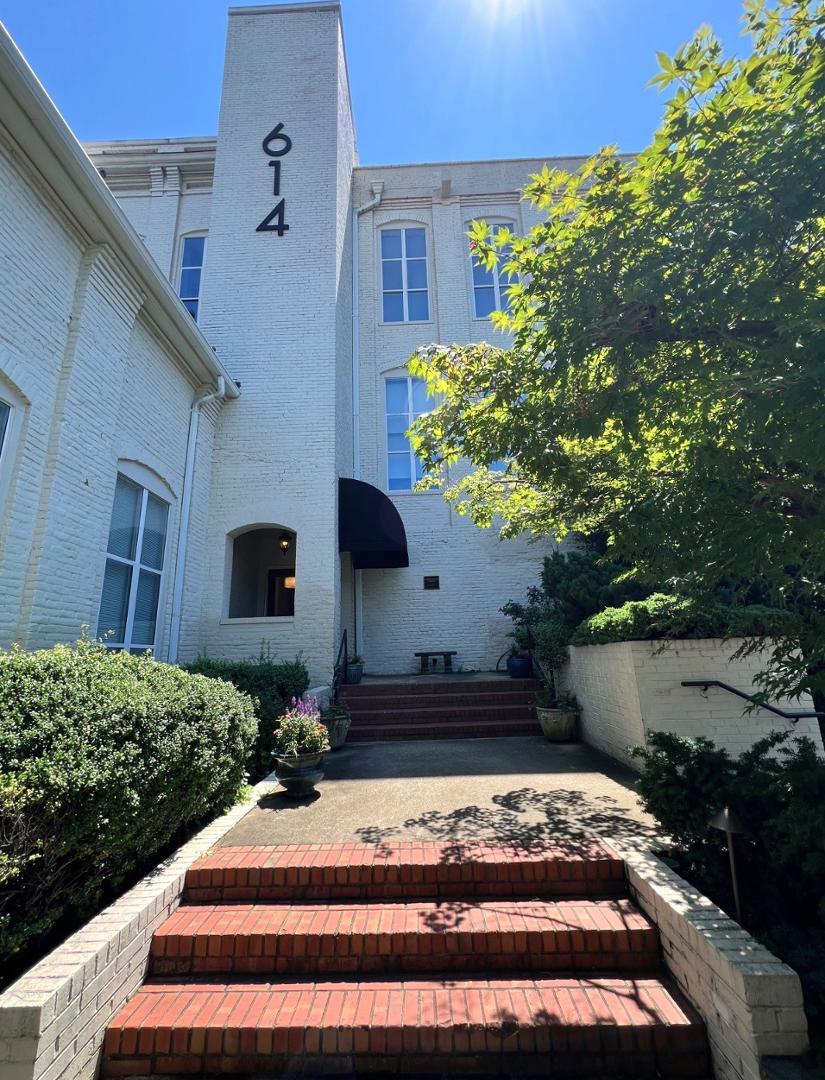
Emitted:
pixel 405 295
pixel 406 399
pixel 135 555
pixel 490 286
pixel 192 258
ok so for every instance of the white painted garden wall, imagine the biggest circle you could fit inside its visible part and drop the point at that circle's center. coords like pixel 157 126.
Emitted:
pixel 629 688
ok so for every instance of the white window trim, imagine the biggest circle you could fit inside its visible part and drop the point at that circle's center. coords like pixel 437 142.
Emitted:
pixel 494 223
pixel 403 492
pixel 182 247
pixel 402 226
pixel 11 439
pixel 137 566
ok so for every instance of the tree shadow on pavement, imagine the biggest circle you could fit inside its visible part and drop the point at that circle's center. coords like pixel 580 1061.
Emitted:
pixel 523 820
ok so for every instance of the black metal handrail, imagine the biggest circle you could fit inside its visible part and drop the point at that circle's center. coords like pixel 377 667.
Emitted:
pixel 340 667
pixel 786 714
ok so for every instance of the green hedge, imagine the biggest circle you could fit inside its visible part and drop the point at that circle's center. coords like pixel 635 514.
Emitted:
pixel 777 790
pixel 272 683
pixel 662 616
pixel 103 758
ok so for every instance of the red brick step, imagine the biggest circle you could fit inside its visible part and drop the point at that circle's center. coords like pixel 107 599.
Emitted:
pixel 408 869
pixel 422 936
pixel 550 1026
pixel 444 685
pixel 455 713
pixel 478 729
pixel 413 699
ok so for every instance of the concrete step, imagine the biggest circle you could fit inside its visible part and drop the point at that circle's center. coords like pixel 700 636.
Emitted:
pixel 421 936
pixel 561 1026
pixel 444 685
pixel 406 870
pixel 406 713
pixel 474 729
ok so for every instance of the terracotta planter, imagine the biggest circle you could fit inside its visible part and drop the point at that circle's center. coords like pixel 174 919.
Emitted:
pixel 337 721
pixel 299 775
pixel 558 725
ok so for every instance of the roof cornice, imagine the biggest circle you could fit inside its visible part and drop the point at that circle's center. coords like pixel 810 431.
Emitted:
pixel 36 126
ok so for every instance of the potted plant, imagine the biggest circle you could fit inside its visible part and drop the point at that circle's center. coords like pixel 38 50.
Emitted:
pixel 301 741
pixel 557 714
pixel 355 668
pixel 519 662
pixel 336 719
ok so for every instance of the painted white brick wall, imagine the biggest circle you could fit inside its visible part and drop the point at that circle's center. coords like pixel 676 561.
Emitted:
pixel 750 1001
pixel 478 572
pixel 275 308
pixel 627 689
pixel 278 311
pixel 96 386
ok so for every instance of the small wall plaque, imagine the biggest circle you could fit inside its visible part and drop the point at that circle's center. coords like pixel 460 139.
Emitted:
pixel 432 582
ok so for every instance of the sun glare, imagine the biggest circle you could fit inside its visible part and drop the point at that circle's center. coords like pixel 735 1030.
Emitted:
pixel 504 10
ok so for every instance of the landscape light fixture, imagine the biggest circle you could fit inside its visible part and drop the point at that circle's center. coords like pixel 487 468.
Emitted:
pixel 284 541
pixel 728 823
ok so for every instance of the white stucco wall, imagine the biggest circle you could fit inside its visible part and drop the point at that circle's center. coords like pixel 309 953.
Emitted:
pixel 627 689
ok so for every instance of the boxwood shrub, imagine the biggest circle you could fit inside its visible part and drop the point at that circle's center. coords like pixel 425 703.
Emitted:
pixel 104 757
pixel 663 616
pixel 272 684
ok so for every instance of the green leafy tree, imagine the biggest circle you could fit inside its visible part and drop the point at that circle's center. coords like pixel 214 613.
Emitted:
pixel 666 379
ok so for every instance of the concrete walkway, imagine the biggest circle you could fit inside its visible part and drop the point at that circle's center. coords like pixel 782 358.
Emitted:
pixel 514 790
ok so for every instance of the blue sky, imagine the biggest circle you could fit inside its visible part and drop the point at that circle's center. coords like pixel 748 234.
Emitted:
pixel 431 79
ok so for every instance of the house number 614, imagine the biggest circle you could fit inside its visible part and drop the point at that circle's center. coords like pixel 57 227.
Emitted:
pixel 276 145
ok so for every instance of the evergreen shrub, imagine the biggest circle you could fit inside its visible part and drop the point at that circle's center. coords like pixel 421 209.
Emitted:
pixel 272 684
pixel 104 758
pixel 662 616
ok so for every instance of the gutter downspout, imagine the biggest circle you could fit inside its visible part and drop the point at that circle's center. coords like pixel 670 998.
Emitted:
pixel 377 193
pixel 186 512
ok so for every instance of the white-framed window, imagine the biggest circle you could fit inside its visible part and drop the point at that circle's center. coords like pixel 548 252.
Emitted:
pixel 405 293
pixel 134 568
pixel 5 424
pixel 12 417
pixel 490 286
pixel 192 256
pixel 406 399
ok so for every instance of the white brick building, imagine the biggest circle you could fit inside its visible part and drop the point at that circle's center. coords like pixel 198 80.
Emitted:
pixel 99 377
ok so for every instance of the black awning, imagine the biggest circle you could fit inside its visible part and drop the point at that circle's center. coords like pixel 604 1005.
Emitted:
pixel 369 527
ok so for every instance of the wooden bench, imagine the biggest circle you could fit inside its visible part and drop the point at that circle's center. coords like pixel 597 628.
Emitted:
pixel 447 654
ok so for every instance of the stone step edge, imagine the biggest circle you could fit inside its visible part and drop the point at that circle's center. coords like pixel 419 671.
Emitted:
pixel 191 1026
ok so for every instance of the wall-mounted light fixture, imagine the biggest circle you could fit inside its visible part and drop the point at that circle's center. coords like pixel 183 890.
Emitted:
pixel 289 582
pixel 284 540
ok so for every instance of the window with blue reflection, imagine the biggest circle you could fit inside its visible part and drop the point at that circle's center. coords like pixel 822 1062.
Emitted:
pixel 404 282
pixel 406 399
pixel 490 287
pixel 193 251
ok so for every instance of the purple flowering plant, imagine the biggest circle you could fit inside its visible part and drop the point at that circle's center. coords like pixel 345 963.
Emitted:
pixel 300 730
